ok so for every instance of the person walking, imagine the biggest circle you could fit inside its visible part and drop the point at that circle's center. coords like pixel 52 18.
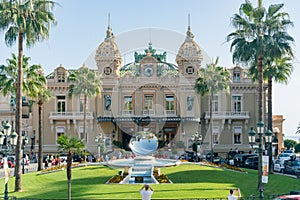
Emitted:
pixel 146 191
pixel 231 195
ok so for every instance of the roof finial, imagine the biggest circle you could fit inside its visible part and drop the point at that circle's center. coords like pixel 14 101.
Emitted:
pixel 189 34
pixel 108 20
pixel 109 32
pixel 189 22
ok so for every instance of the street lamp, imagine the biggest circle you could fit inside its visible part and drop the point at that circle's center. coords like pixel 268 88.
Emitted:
pixel 197 138
pixel 13 141
pixel 99 138
pixel 268 139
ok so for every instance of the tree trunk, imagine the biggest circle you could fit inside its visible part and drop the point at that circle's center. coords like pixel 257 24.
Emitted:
pixel 40 154
pixel 260 118
pixel 69 173
pixel 210 127
pixel 84 119
pixel 69 189
pixel 270 121
pixel 18 169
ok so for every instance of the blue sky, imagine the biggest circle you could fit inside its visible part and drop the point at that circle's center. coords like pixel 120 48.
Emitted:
pixel 82 27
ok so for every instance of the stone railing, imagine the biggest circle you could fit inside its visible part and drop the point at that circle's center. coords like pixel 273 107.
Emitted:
pixel 228 115
pixel 69 115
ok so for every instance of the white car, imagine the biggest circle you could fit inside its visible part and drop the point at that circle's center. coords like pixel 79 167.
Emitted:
pixel 286 156
pixel 278 165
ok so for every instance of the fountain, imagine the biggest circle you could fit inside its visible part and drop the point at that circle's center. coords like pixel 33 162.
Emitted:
pixel 143 144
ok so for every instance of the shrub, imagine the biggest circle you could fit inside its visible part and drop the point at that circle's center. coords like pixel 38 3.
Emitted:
pixel 297 148
pixel 118 144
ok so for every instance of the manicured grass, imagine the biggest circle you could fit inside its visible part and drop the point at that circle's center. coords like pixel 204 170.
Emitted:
pixel 190 181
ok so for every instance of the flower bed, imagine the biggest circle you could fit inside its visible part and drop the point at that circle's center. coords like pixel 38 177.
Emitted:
pixel 225 166
pixel 56 168
pixel 161 178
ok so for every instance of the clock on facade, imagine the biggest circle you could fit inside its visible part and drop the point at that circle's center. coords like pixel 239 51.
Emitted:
pixel 107 70
pixel 148 71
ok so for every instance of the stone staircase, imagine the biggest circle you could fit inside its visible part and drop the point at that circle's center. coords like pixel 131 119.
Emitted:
pixel 141 173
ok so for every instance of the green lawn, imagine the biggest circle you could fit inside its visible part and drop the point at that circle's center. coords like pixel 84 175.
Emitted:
pixel 190 181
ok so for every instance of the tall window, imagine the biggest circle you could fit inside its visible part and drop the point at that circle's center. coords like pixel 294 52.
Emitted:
pixel 61 103
pixel 170 105
pixel 81 103
pixel 148 102
pixel 60 77
pixel 236 77
pixel 215 104
pixel 60 131
pixel 237 135
pixel 215 135
pixel 237 103
pixel 127 104
pixel 81 133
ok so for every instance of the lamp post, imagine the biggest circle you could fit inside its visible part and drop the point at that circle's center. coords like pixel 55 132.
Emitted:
pixel 98 140
pixel 197 138
pixel 32 137
pixel 268 139
pixel 13 141
pixel 24 142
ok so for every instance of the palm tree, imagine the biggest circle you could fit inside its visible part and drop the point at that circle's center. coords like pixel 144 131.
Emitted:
pixel 34 82
pixel 84 82
pixel 212 80
pixel 259 33
pixel 43 96
pixel 71 145
pixel 279 69
pixel 21 20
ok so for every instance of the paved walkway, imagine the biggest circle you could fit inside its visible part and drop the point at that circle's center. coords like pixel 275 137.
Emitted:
pixel 27 168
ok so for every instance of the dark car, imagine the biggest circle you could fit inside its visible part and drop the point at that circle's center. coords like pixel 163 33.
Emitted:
pixel 292 167
pixel 189 156
pixel 252 162
pixel 239 159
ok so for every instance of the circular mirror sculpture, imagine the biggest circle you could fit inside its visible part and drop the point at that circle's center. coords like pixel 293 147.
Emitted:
pixel 143 143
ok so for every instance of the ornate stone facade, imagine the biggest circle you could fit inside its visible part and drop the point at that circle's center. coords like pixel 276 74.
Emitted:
pixel 150 94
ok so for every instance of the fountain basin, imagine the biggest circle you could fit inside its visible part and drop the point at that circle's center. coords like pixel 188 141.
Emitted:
pixel 144 160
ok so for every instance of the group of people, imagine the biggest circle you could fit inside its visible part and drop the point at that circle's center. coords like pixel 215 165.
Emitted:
pixel 54 160
pixel 146 192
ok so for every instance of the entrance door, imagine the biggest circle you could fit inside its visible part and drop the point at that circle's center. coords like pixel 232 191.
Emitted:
pixel 125 140
pixel 169 134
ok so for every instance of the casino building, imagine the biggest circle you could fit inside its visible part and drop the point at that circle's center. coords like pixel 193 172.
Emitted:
pixel 150 94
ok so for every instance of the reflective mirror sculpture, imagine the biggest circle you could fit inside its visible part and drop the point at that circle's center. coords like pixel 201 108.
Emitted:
pixel 143 143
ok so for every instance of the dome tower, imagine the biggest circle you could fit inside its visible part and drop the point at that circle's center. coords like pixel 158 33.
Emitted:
pixel 189 56
pixel 108 56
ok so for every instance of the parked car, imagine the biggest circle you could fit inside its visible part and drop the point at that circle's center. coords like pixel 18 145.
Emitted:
pixel 252 162
pixel 288 151
pixel 292 167
pixel 278 165
pixel 239 159
pixel 219 160
pixel 286 156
